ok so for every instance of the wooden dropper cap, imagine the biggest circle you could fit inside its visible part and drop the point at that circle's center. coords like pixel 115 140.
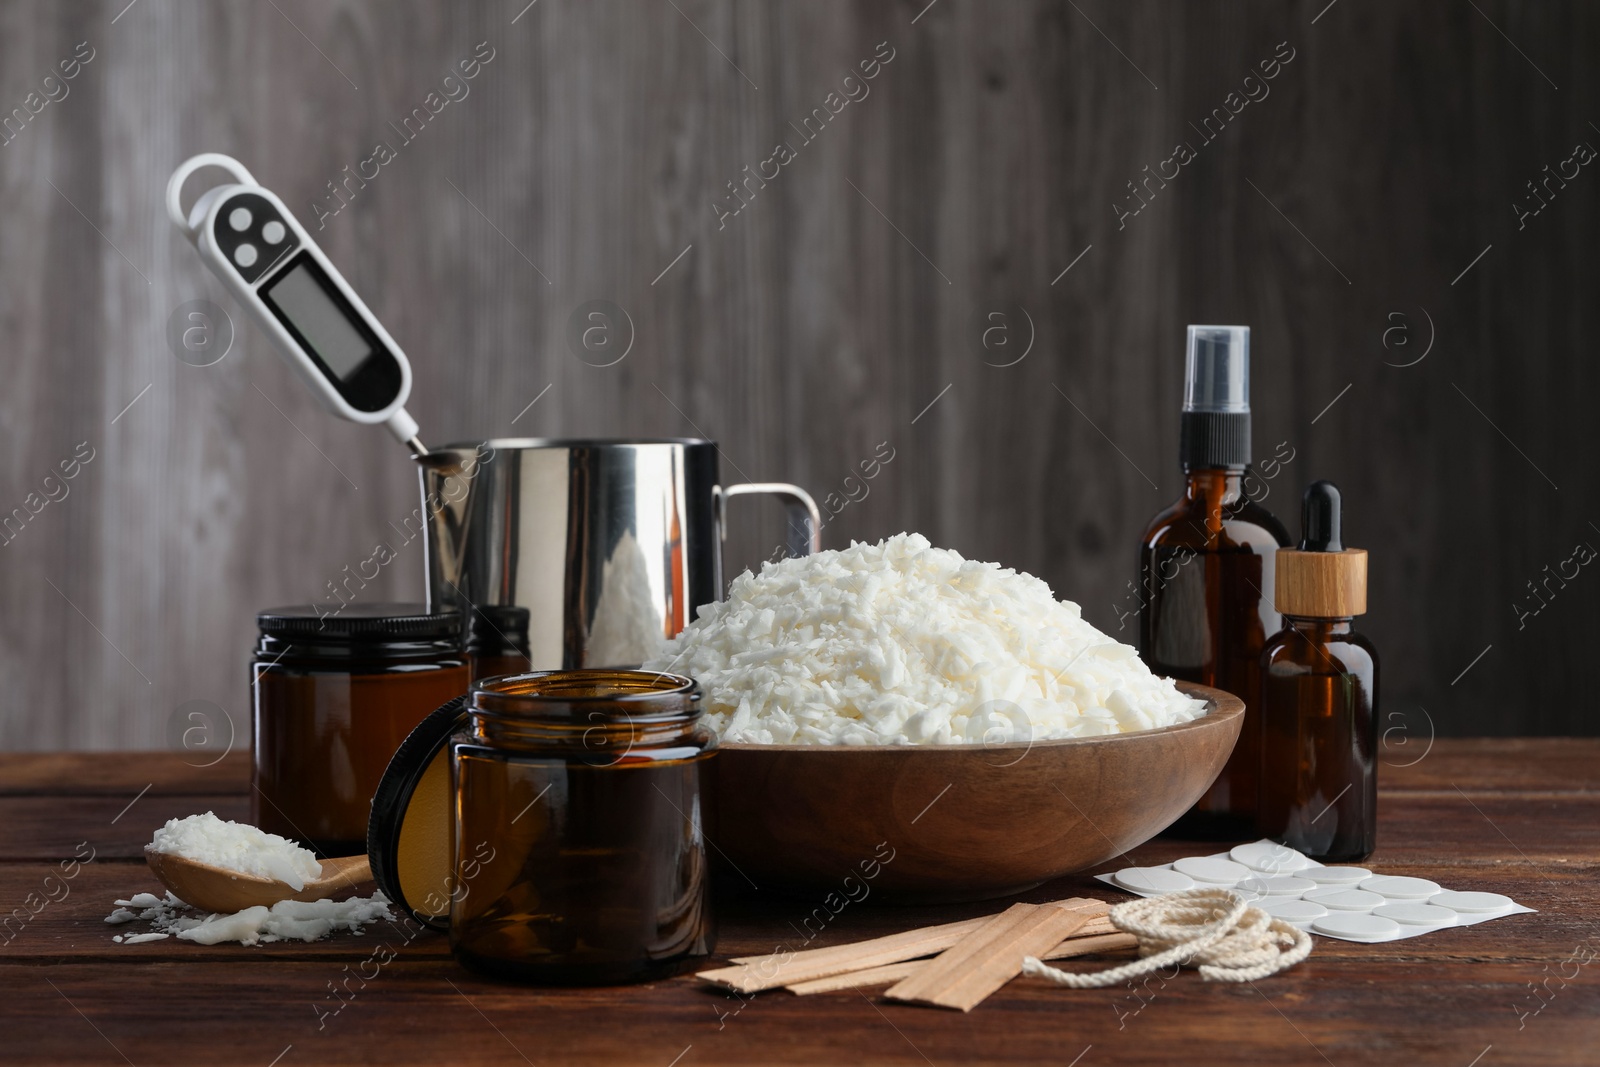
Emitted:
pixel 1321 579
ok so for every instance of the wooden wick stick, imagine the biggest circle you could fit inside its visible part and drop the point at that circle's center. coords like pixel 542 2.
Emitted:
pixel 965 974
pixel 893 972
pixel 750 974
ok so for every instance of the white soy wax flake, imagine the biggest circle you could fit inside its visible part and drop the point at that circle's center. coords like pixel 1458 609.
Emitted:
pixel 1293 911
pixel 1471 903
pixel 1347 899
pixel 1152 880
pixel 1412 913
pixel 1269 857
pixel 1213 870
pixel 1350 876
pixel 1348 925
pixel 1399 888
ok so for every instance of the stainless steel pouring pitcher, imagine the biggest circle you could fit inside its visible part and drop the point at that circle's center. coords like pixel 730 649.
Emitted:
pixel 583 553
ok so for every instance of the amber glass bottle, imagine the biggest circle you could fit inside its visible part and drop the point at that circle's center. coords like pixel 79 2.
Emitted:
pixel 1319 783
pixel 1206 570
pixel 580 828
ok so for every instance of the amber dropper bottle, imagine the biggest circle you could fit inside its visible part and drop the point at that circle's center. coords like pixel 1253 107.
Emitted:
pixel 1206 570
pixel 1319 782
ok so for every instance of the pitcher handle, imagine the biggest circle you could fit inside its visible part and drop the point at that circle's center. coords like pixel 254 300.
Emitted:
pixel 804 521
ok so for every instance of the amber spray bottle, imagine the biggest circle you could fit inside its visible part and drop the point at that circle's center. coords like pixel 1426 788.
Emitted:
pixel 1206 570
pixel 1319 782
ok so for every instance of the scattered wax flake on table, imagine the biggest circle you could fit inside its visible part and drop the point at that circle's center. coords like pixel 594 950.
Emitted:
pixel 287 920
pixel 901 643
pixel 238 847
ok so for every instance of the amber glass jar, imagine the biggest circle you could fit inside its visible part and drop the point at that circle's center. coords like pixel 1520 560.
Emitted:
pixel 333 697
pixel 497 640
pixel 580 849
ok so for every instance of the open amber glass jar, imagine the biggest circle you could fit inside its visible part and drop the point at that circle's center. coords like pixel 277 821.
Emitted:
pixel 580 848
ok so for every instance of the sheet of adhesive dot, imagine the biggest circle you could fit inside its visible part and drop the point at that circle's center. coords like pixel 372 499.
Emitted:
pixel 1347 902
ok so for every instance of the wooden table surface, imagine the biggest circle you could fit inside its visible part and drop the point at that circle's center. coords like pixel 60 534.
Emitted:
pixel 1520 817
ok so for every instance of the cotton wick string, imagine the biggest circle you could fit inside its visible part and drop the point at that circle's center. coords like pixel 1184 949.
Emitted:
pixel 1214 930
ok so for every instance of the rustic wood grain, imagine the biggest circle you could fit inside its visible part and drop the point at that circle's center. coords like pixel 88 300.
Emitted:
pixel 823 318
pixel 75 997
pixel 165 773
pixel 51 827
pixel 1562 893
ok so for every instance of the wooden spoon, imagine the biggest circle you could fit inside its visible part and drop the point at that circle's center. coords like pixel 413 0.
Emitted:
pixel 217 889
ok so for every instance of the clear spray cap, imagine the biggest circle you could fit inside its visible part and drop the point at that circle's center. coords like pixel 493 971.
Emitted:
pixel 1217 373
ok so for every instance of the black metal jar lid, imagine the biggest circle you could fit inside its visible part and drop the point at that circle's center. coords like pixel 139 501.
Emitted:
pixel 408 833
pixel 385 621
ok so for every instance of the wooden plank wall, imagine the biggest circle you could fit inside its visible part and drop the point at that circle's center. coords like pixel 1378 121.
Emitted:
pixel 1372 189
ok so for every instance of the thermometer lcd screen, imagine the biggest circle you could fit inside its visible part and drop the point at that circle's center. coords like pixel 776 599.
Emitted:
pixel 308 304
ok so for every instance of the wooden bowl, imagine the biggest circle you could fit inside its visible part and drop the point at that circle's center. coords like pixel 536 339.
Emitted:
pixel 961 822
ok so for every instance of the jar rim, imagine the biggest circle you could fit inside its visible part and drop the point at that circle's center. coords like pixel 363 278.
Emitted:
pixel 561 683
pixel 555 694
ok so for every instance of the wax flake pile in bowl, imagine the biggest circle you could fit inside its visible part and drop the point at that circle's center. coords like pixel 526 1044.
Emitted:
pixel 238 847
pixel 901 643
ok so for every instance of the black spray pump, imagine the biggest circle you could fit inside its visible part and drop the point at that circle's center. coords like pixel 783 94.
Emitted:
pixel 1215 427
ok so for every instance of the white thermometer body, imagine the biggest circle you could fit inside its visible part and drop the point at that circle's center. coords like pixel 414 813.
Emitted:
pixel 273 268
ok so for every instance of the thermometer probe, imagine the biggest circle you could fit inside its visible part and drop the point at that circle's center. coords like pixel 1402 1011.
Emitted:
pixel 270 264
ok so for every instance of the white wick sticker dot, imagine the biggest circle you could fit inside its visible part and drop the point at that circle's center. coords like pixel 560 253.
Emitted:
pixel 1269 858
pixel 1350 876
pixel 1410 913
pixel 1400 888
pixel 1357 926
pixel 1347 899
pixel 1212 869
pixel 1152 880
pixel 1471 903
pixel 1293 911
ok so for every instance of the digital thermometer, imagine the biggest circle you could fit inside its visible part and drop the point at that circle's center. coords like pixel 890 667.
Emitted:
pixel 275 270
